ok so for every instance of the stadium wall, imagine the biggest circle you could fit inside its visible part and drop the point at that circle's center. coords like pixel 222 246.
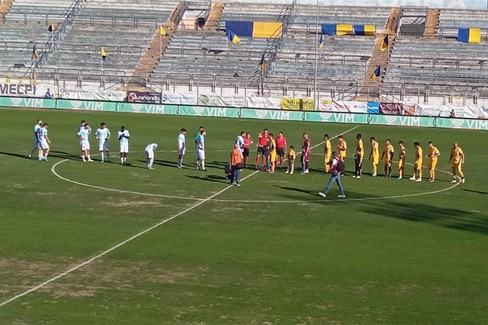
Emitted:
pixel 233 112
pixel 458 4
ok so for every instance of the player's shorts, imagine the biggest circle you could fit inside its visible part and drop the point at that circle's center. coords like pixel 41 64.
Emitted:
pixel 375 160
pixel 306 156
pixel 456 166
pixel 418 165
pixel 342 155
pixel 260 150
pixel 103 145
pixel 182 151
pixel 85 145
pixel 265 151
pixel 124 147
pixel 280 152
pixel 401 163
pixel 201 154
pixel 432 164
pixel 245 152
pixel 43 144
pixel 150 154
pixel 272 156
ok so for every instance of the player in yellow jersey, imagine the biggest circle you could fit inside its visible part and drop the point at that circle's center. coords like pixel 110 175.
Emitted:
pixel 432 156
pixel 342 149
pixel 327 152
pixel 272 153
pixel 291 156
pixel 401 160
pixel 358 156
pixel 374 156
pixel 457 160
pixel 417 165
pixel 387 157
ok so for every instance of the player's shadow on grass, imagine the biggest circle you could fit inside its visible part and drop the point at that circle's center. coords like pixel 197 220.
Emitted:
pixel 55 154
pixel 436 215
pixel 216 164
pixel 474 191
pixel 296 189
pixel 210 178
pixel 65 155
pixel 159 162
pixel 17 155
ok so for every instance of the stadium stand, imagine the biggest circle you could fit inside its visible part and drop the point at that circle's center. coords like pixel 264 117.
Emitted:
pixel 25 25
pixel 127 27
pixel 342 61
pixel 209 58
pixel 433 63
pixel 440 66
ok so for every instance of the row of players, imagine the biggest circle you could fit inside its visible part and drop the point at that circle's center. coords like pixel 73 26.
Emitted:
pixel 102 134
pixel 271 151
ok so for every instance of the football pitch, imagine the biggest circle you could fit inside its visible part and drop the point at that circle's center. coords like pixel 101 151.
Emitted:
pixel 111 244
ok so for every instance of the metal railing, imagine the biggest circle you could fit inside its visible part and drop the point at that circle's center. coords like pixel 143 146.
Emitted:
pixel 55 37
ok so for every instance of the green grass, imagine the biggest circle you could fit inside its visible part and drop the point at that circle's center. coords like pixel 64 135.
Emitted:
pixel 290 258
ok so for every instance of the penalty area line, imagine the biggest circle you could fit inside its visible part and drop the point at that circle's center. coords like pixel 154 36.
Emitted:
pixel 139 234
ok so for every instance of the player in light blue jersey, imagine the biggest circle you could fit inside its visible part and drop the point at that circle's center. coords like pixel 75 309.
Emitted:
pixel 103 135
pixel 83 134
pixel 36 147
pixel 44 142
pixel 240 141
pixel 201 150
pixel 181 143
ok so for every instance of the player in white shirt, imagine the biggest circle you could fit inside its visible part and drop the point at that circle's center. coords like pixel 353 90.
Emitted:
pixel 150 154
pixel 36 147
pixel 181 143
pixel 44 142
pixel 83 134
pixel 103 135
pixel 200 140
pixel 82 126
pixel 123 135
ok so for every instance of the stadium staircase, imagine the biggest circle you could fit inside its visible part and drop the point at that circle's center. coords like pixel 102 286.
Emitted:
pixel 4 8
pixel 432 23
pixel 156 49
pixel 370 88
pixel 215 14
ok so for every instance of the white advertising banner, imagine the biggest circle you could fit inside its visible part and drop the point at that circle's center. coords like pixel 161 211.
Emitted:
pixel 447 110
pixel 263 102
pixel 343 106
pixel 179 98
pixel 232 101
pixel 92 95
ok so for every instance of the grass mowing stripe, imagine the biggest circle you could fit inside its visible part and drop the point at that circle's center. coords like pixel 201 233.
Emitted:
pixel 96 257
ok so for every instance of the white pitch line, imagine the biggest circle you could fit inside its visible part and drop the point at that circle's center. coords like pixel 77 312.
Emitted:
pixel 96 257
pixel 117 246
pixel 53 170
